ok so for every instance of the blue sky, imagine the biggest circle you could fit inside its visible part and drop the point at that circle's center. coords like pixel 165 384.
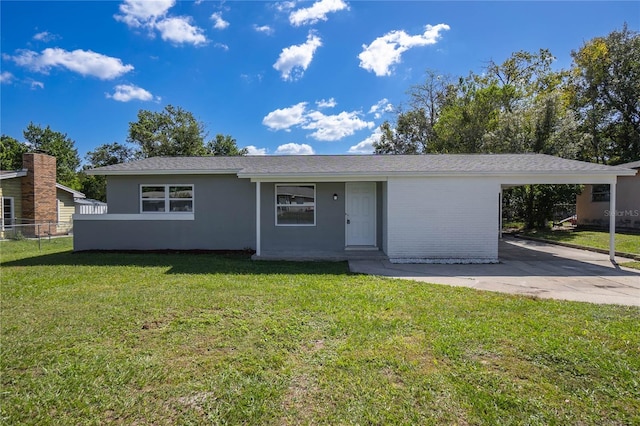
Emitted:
pixel 280 77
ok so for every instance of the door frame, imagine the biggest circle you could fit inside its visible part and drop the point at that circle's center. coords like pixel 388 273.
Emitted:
pixel 374 245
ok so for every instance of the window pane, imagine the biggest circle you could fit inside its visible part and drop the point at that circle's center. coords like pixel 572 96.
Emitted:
pixel 180 192
pixel 181 205
pixel 152 205
pixel 600 193
pixel 295 194
pixel 153 192
pixel 295 215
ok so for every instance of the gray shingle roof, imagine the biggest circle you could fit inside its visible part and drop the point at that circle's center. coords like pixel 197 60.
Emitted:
pixel 350 165
pixel 631 165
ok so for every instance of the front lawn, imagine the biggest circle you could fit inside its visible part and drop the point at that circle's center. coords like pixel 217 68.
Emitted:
pixel 627 243
pixel 97 338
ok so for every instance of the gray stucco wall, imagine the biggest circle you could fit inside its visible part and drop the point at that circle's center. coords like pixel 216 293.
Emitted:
pixel 326 235
pixel 224 217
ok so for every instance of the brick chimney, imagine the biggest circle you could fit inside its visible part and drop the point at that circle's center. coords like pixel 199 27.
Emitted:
pixel 39 203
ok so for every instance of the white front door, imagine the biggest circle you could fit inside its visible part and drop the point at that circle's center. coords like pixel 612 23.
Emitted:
pixel 361 214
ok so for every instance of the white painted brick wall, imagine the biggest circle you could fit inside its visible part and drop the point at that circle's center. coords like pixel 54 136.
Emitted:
pixel 443 218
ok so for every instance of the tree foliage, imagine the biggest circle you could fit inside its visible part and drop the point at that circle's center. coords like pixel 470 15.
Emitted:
pixel 606 78
pixel 56 144
pixel 171 132
pixel 95 186
pixel 11 153
pixel 224 145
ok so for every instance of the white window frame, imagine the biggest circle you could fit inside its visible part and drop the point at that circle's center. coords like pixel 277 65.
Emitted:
pixel 13 213
pixel 166 198
pixel 314 204
pixel 604 189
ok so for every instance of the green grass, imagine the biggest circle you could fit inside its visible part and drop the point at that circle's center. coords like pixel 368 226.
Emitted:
pixel 627 243
pixel 634 265
pixel 97 338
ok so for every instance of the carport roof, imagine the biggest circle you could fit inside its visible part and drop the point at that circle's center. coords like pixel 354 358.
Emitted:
pixel 363 165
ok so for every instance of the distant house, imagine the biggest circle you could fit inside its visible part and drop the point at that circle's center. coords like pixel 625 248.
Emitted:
pixel 409 208
pixel 33 203
pixel 592 205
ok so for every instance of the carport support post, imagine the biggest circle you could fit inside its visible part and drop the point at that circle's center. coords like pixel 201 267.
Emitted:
pixel 612 221
pixel 258 218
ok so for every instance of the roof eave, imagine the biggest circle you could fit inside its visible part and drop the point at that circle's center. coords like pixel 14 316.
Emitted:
pixel 13 174
pixel 98 172
pixel 76 194
pixel 272 176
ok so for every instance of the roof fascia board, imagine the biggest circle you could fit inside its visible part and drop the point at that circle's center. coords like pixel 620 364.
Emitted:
pixel 561 179
pixel 11 175
pixel 320 178
pixel 601 174
pixel 161 172
pixel 77 194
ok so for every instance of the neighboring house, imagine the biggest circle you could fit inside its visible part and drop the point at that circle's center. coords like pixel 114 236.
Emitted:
pixel 89 206
pixel 592 205
pixel 411 208
pixel 31 197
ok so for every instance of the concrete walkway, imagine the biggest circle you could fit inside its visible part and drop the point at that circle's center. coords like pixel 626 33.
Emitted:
pixel 528 268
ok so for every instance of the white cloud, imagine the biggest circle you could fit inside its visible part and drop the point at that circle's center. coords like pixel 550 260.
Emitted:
pixel 380 108
pixel 129 92
pixel 179 30
pixel 285 118
pixel 294 60
pixel 326 103
pixel 385 51
pixel 36 84
pixel 325 127
pixel 335 127
pixel 317 12
pixel 295 149
pixel 6 77
pixel 265 29
pixel 152 16
pixel 218 22
pixel 222 46
pixel 252 150
pixel 284 6
pixel 44 36
pixel 366 146
pixel 143 13
pixel 84 62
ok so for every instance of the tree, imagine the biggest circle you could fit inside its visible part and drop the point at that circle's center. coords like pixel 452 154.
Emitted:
pixel 410 135
pixel 108 154
pixel 58 145
pixel 104 155
pixel 225 145
pixel 171 132
pixel 11 153
pixel 414 130
pixel 607 95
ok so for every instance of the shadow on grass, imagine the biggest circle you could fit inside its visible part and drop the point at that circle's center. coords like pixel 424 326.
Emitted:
pixel 182 263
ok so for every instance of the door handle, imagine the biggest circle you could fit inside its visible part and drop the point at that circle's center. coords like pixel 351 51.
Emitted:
pixel 348 221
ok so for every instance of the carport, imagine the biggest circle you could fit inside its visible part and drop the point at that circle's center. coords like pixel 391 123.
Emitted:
pixel 574 177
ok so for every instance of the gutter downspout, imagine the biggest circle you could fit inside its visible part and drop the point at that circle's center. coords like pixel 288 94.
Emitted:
pixel 258 218
pixel 612 221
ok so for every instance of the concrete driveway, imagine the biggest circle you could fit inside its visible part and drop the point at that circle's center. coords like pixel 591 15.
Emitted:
pixel 528 268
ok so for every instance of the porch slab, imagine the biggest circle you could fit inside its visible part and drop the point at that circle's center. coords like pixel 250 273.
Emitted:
pixel 323 256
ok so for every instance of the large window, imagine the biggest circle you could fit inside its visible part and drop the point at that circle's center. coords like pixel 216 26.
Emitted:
pixel 166 198
pixel 295 205
pixel 8 214
pixel 600 193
